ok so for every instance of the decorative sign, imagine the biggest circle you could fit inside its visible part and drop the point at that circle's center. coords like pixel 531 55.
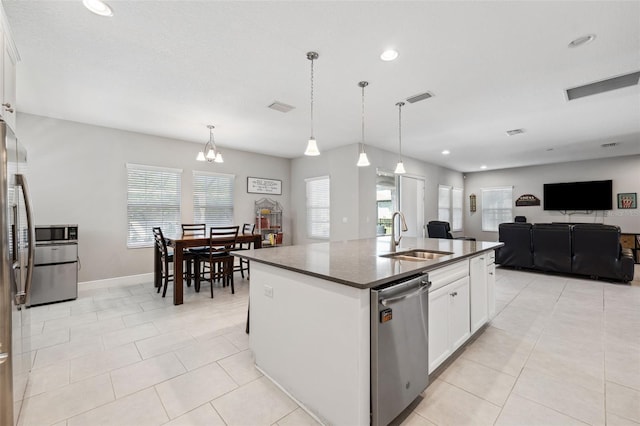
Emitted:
pixel 628 200
pixel 472 203
pixel 527 200
pixel 264 186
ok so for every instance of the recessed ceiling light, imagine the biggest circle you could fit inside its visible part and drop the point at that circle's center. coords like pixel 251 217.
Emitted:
pixel 446 152
pixel 98 7
pixel 582 40
pixel 389 55
pixel 483 166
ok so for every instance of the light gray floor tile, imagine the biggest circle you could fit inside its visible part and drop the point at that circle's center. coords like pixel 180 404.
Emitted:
pixel 68 401
pixel 143 374
pixel 164 343
pixel 128 335
pixel 141 409
pixel 574 401
pixel 299 417
pixel 257 403
pixel 188 391
pixel 205 415
pixel 66 351
pixel 202 353
pixel 49 338
pixel 623 401
pixel 48 378
pixel 481 381
pixel 615 420
pixel 97 363
pixel 97 328
pixel 241 367
pixel 445 404
pixel 500 350
pixel 519 411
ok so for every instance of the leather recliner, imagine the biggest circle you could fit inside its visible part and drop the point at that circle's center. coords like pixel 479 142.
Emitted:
pixel 552 247
pixel 517 250
pixel 597 252
pixel 439 229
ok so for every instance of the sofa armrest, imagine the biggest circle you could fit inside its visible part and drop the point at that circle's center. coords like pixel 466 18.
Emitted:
pixel 627 264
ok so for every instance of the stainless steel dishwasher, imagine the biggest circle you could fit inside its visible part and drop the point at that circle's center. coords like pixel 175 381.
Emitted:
pixel 399 346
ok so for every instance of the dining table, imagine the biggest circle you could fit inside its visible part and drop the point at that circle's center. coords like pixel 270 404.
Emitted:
pixel 182 242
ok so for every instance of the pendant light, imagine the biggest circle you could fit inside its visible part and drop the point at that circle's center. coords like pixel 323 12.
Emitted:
pixel 363 161
pixel 312 147
pixel 213 154
pixel 400 167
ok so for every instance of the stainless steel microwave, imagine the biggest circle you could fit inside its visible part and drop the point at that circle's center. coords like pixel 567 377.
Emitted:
pixel 56 233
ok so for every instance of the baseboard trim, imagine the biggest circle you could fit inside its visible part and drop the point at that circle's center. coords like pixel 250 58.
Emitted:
pixel 126 280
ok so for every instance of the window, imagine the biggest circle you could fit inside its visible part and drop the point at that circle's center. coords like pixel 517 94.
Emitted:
pixel 153 199
pixel 450 206
pixel 318 207
pixel 213 199
pixel 386 200
pixel 444 203
pixel 496 207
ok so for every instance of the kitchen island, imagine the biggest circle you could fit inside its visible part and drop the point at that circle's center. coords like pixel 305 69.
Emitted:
pixel 310 313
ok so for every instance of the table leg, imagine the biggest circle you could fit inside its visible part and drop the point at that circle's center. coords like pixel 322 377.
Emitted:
pixel 177 274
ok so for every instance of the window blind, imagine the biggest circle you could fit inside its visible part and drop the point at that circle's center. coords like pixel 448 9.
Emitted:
pixel 153 199
pixel 318 207
pixel 496 207
pixel 213 199
pixel 444 203
pixel 456 209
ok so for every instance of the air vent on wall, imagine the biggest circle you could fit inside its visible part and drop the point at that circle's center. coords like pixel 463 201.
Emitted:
pixel 515 132
pixel 420 97
pixel 280 106
pixel 603 86
pixel 609 145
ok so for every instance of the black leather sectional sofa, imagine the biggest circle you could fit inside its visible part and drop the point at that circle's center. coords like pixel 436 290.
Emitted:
pixel 583 249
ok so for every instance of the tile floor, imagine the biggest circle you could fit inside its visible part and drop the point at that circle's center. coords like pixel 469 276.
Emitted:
pixel 560 351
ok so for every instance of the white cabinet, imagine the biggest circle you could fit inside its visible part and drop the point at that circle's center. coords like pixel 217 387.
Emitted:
pixel 482 279
pixel 448 320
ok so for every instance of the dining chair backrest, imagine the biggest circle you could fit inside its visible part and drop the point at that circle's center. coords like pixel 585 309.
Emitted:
pixel 194 229
pixel 223 238
pixel 161 244
pixel 248 228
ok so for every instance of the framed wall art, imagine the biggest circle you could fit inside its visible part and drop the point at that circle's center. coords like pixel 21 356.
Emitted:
pixel 628 200
pixel 264 186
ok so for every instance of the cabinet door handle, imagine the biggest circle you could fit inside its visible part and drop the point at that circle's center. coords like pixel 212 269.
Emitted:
pixel 7 105
pixel 490 273
pixel 454 294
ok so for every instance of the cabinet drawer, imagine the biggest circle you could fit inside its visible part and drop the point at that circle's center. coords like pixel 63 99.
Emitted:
pixel 448 274
pixel 490 257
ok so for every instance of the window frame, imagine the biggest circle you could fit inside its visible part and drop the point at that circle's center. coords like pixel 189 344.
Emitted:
pixel 446 212
pixel 144 207
pixel 196 206
pixel 486 227
pixel 310 208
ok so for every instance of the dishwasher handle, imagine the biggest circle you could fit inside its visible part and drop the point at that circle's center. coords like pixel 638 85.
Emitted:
pixel 424 287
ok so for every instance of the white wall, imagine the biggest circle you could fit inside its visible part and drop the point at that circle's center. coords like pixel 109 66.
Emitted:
pixel 77 175
pixel 353 189
pixel 624 171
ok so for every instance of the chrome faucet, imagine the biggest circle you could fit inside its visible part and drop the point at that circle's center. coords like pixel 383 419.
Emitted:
pixel 403 227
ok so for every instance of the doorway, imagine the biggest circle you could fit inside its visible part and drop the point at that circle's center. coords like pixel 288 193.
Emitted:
pixel 412 204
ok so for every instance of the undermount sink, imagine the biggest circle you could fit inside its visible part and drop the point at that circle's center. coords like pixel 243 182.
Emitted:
pixel 417 254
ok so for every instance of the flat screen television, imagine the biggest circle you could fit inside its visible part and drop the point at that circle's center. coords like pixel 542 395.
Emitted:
pixel 593 195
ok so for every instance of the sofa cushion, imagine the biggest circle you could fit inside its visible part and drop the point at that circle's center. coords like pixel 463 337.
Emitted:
pixel 517 245
pixel 552 247
pixel 597 252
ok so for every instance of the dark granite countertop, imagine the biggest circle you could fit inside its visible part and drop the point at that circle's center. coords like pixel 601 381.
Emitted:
pixel 357 263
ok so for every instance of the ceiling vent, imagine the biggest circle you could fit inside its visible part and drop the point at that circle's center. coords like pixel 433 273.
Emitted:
pixel 515 132
pixel 420 97
pixel 609 145
pixel 280 106
pixel 603 86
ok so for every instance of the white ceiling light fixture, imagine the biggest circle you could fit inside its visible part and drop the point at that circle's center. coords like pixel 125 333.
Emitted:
pixel 213 154
pixel 98 7
pixel 446 152
pixel 312 146
pixel 483 166
pixel 581 41
pixel 400 167
pixel 389 55
pixel 363 161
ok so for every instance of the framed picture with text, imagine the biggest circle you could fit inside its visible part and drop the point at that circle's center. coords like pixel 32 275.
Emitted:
pixel 264 186
pixel 628 200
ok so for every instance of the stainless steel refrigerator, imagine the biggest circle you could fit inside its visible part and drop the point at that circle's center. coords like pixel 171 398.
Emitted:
pixel 16 269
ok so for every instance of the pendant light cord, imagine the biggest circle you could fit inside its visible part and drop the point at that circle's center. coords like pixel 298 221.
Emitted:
pixel 362 140
pixel 312 97
pixel 400 104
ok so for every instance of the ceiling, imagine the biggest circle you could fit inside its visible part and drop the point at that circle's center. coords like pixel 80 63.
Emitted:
pixel 169 68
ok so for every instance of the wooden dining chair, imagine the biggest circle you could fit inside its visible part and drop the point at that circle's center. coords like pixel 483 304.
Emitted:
pixel 247 229
pixel 165 259
pixel 219 262
pixel 192 255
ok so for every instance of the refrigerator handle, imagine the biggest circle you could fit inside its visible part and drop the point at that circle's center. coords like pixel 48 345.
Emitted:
pixel 22 181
